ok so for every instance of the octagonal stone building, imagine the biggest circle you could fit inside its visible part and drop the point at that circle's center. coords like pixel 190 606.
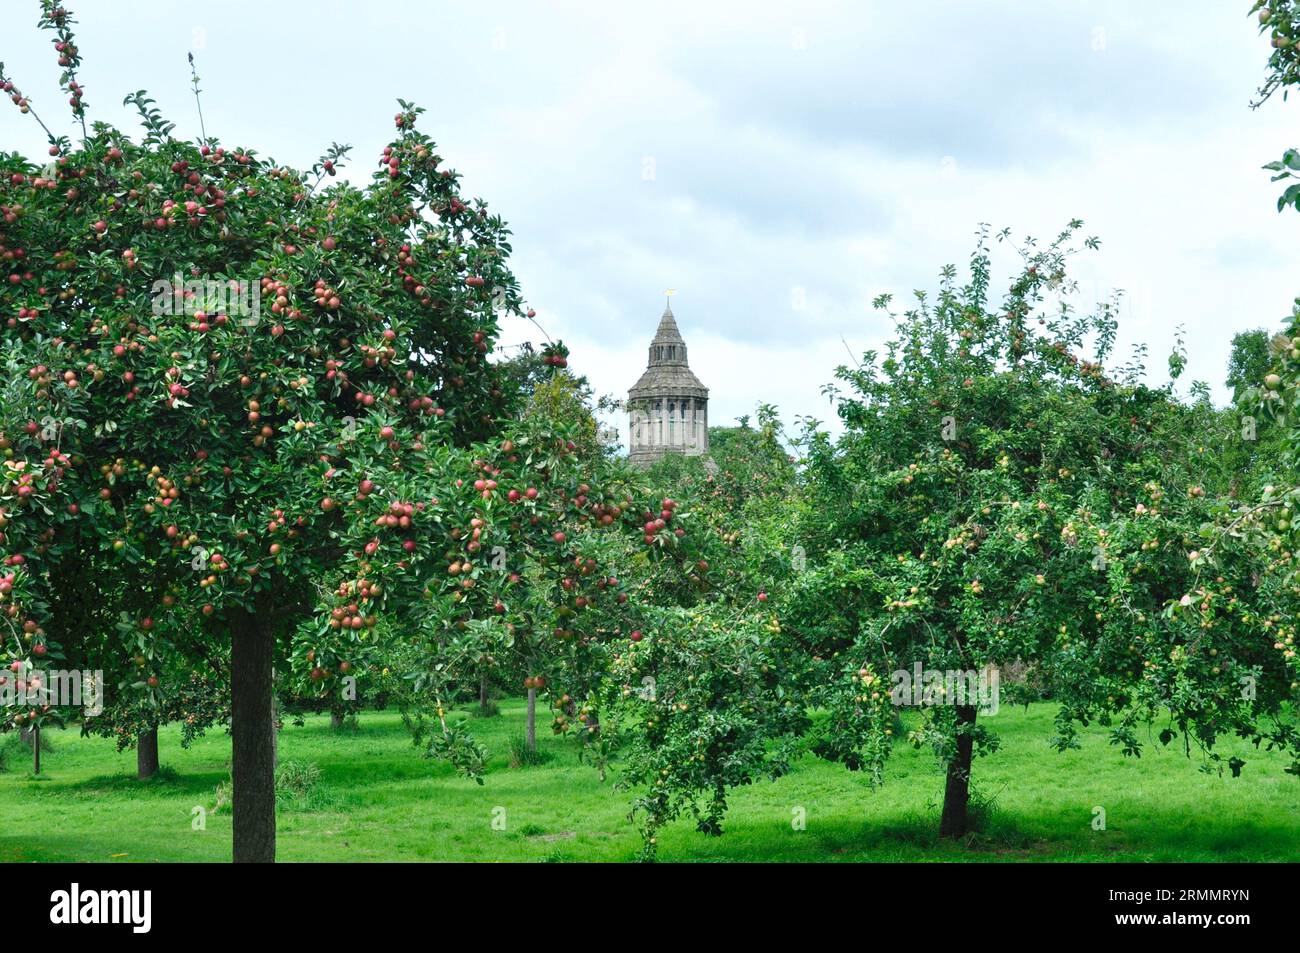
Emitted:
pixel 668 408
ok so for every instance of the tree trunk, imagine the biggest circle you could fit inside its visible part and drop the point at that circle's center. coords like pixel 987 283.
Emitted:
pixel 336 719
pixel 954 821
pixel 483 691
pixel 252 729
pixel 530 733
pixel 36 749
pixel 146 754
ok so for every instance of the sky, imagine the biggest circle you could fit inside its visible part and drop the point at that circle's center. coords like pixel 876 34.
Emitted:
pixel 778 164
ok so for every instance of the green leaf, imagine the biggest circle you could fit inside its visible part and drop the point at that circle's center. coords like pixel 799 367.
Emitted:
pixel 1289 197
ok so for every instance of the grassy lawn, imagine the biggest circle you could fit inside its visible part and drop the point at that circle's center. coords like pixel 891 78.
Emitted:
pixel 377 799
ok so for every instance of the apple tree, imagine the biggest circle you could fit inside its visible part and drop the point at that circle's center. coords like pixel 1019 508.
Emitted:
pixel 998 497
pixel 1280 20
pixel 518 564
pixel 1274 394
pixel 214 361
pixel 1009 498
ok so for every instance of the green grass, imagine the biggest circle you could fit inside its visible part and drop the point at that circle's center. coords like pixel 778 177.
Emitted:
pixel 375 798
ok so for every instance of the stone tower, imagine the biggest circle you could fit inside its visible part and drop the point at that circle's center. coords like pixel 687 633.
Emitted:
pixel 668 408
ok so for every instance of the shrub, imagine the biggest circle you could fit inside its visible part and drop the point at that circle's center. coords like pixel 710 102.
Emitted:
pixel 522 756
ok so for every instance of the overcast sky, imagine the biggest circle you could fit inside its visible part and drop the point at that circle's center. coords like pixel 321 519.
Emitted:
pixel 778 164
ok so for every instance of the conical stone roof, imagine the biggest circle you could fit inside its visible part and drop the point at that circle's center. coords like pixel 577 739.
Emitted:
pixel 667 332
pixel 668 374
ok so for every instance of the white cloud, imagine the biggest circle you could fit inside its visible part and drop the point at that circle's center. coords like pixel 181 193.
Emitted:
pixel 822 153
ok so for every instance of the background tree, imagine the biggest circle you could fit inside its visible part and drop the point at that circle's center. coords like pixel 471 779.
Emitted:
pixel 744 463
pixel 1249 361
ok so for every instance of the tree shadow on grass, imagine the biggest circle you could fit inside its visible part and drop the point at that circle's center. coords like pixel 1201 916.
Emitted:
pixel 167 782
pixel 123 846
pixel 1034 837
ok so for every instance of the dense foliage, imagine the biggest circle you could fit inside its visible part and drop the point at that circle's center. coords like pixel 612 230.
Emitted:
pixel 998 500
pixel 269 392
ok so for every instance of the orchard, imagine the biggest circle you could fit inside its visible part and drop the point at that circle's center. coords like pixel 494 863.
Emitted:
pixel 264 458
